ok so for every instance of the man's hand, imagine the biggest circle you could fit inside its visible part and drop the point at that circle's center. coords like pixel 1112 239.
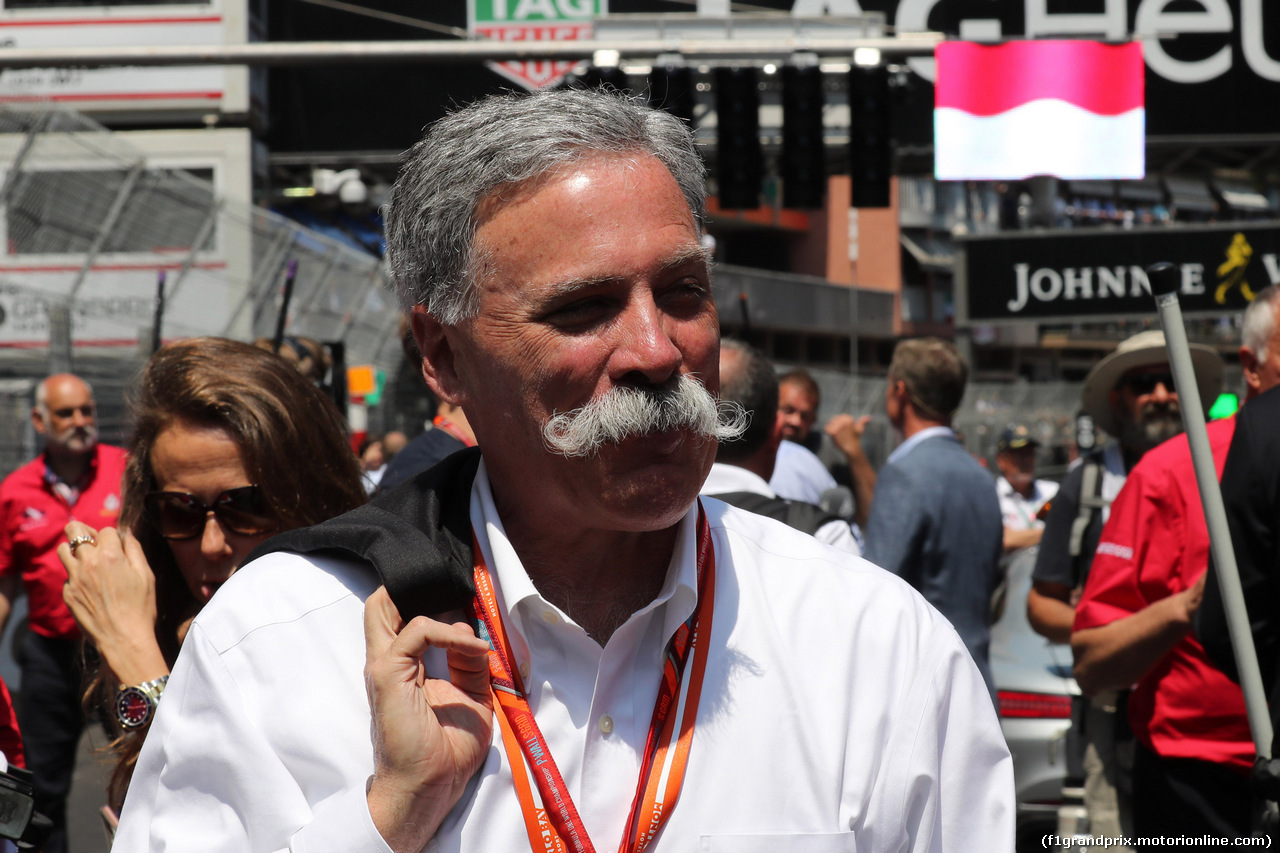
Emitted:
pixel 430 735
pixel 1114 656
pixel 847 431
pixel 1192 596
pixel 1015 538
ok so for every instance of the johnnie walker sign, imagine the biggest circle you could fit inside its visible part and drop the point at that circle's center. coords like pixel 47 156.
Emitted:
pixel 1100 273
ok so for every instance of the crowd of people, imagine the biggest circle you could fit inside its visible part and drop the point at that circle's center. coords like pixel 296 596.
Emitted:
pixel 620 587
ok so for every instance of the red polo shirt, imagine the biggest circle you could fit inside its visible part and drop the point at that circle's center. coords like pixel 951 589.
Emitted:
pixel 1155 544
pixel 32 518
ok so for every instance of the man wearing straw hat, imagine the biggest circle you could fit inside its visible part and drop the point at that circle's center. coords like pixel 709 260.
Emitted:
pixel 1130 395
pixel 1193 747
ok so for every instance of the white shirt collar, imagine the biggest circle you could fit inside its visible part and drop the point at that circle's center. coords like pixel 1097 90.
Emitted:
pixel 908 445
pixel 725 478
pixel 678 597
pixel 1038 488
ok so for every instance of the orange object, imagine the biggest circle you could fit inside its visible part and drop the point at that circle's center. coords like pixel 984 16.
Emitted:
pixel 362 380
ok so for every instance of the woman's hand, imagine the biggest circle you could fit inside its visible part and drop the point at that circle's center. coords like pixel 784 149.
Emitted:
pixel 111 592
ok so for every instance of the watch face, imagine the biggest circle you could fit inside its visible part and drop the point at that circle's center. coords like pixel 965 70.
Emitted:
pixel 133 707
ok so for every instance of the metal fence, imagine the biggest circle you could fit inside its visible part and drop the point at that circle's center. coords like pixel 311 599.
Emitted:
pixel 89 225
pixel 1047 409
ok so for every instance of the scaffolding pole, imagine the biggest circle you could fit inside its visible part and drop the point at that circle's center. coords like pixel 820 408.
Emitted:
pixel 312 53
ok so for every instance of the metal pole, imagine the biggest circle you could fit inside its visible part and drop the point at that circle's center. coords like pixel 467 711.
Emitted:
pixel 283 317
pixel 1164 286
pixel 312 53
pixel 60 359
pixel 155 327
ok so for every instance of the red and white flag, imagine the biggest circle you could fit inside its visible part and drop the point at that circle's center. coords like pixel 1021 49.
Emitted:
pixel 1073 109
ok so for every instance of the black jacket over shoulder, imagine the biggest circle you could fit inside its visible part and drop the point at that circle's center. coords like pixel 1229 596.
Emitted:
pixel 417 536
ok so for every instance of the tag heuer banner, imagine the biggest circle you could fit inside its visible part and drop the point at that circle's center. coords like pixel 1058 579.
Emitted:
pixel 1090 275
pixel 534 20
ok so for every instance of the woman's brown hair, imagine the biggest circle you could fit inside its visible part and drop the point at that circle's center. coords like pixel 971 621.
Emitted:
pixel 293 443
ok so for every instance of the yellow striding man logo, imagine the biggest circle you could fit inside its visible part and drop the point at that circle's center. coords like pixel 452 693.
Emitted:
pixel 1231 271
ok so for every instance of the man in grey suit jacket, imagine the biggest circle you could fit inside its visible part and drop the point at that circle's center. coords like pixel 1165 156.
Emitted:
pixel 935 520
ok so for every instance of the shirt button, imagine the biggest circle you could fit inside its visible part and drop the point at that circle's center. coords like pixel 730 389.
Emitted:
pixel 606 724
pixel 550 617
pixel 524 669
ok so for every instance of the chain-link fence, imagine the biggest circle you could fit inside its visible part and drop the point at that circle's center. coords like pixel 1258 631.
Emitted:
pixel 1047 409
pixel 90 226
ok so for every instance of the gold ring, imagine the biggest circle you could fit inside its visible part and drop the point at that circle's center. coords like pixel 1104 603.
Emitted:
pixel 82 539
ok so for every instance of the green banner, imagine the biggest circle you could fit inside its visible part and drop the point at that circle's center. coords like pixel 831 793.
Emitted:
pixel 534 11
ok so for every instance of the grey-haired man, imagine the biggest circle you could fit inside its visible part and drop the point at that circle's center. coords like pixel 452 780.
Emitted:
pixel 613 651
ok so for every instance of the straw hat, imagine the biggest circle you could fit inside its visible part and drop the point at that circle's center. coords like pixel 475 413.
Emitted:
pixel 1145 349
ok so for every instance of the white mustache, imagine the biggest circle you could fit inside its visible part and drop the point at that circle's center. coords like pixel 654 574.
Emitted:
pixel 629 411
pixel 89 434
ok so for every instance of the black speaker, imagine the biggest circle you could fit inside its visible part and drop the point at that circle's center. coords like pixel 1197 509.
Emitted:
pixel 671 89
pixel 739 161
pixel 870 151
pixel 804 157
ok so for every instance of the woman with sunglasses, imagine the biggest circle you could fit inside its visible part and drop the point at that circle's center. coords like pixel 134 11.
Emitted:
pixel 230 445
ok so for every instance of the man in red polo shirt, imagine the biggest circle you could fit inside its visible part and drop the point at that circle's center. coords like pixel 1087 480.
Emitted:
pixel 1133 626
pixel 75 478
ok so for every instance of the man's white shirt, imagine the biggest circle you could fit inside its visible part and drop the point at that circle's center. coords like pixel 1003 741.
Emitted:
pixel 725 479
pixel 799 475
pixel 1020 511
pixel 839 712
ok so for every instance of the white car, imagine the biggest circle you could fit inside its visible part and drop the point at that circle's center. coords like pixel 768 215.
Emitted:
pixel 1034 687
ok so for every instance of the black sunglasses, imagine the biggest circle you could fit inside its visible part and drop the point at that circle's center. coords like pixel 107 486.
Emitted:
pixel 178 515
pixel 1145 383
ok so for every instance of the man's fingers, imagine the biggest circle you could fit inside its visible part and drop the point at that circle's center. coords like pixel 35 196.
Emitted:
pixel 862 423
pixel 387 635
pixel 399 662
pixel 381 624
pixel 423 633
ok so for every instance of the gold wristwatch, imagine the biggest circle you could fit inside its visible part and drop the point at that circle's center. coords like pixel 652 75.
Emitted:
pixel 136 705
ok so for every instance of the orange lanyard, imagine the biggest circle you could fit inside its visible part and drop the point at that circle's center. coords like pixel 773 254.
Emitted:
pixel 551 819
pixel 452 429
